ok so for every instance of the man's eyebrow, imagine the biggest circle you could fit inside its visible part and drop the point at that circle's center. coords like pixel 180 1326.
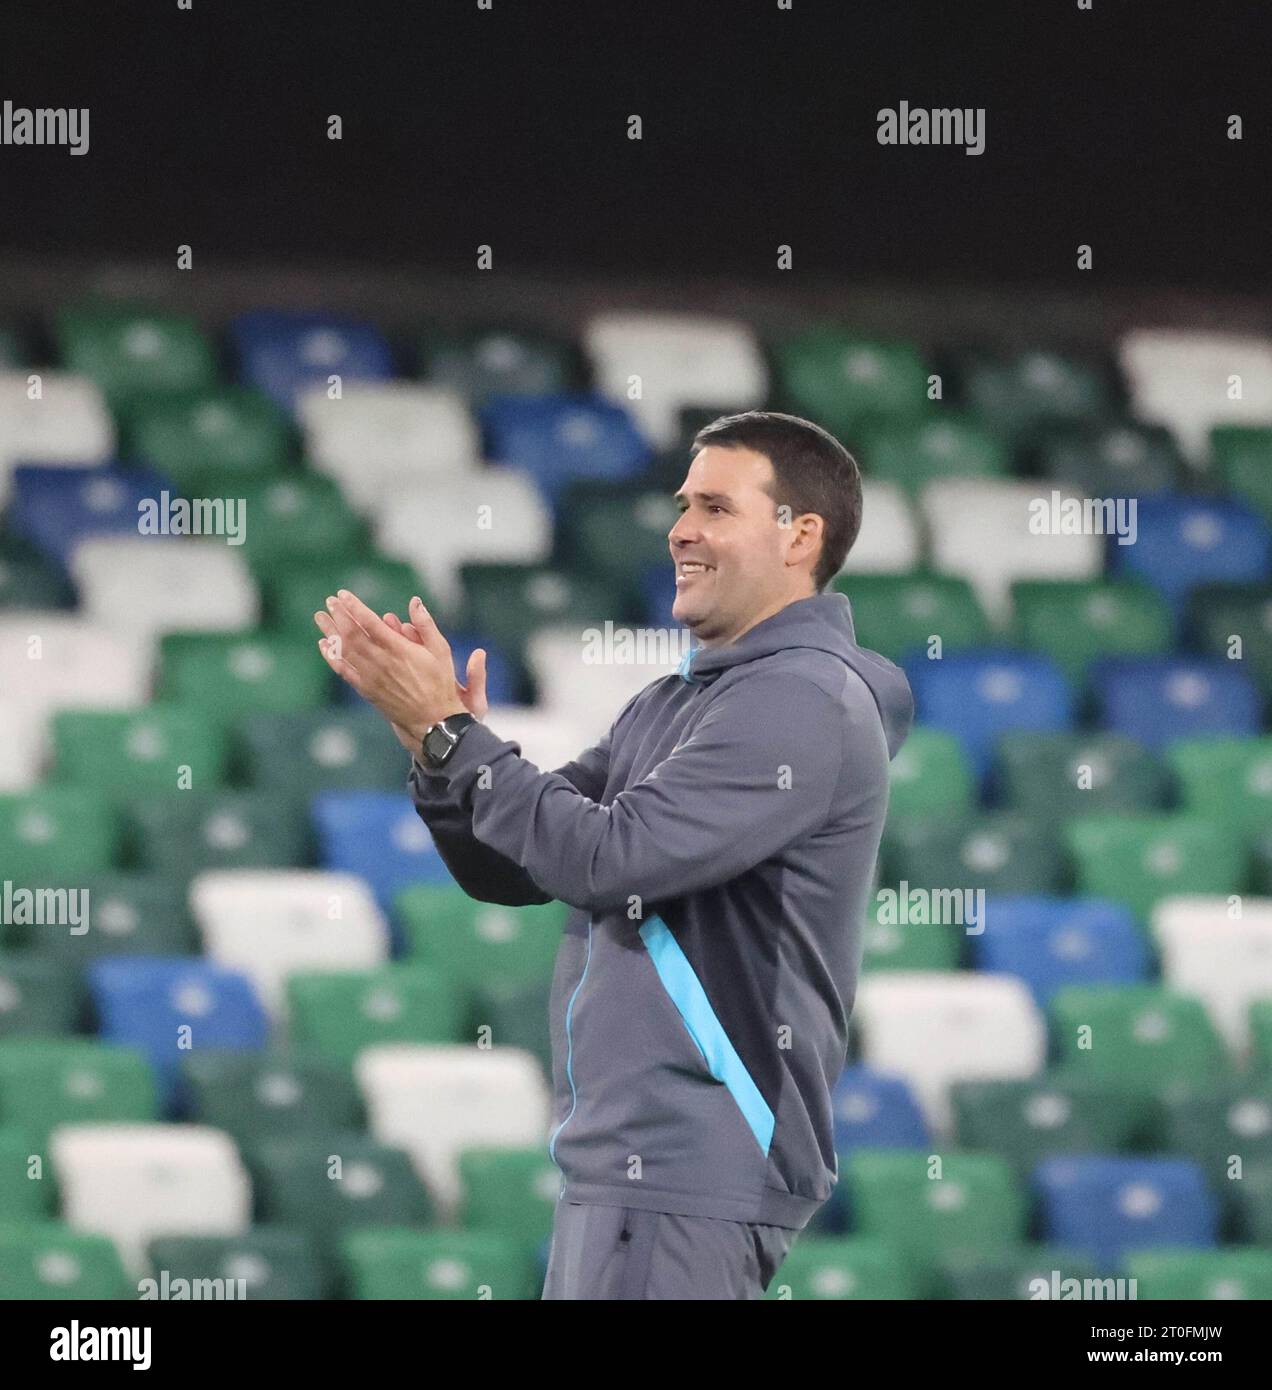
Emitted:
pixel 704 497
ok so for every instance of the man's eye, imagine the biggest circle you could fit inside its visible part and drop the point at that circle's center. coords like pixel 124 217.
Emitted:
pixel 714 508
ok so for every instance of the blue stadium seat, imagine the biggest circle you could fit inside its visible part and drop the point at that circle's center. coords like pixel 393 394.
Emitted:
pixel 658 588
pixel 1156 699
pixel 1054 942
pixel 146 1001
pixel 286 354
pixel 874 1110
pixel 1182 542
pixel 379 836
pixel 1107 1206
pixel 558 438
pixel 978 695
pixel 56 508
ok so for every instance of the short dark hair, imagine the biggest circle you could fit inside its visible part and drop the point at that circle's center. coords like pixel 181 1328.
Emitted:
pixel 812 472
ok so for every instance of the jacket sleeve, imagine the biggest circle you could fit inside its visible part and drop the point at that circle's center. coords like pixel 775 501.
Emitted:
pixel 481 871
pixel 759 771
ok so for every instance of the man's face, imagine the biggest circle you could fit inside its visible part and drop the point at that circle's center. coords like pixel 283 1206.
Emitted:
pixel 729 523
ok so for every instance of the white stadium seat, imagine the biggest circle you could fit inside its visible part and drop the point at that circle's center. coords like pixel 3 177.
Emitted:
pixel 269 923
pixel 24 748
pixel 935 1028
pixel 979 530
pixel 546 740
pixel 1224 961
pixel 68 424
pixel 379 437
pixel 156 584
pixel 437 1101
pixel 889 539
pixel 681 360
pixel 1187 380
pixel 492 515
pixel 57 661
pixel 135 1182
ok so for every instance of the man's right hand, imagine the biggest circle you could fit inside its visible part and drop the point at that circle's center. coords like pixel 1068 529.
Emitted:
pixel 472 695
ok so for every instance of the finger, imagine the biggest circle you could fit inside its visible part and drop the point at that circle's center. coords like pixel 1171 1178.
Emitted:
pixel 476 687
pixel 403 629
pixel 430 633
pixel 364 617
pixel 330 647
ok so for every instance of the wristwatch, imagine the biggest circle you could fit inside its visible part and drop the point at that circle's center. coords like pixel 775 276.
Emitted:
pixel 441 740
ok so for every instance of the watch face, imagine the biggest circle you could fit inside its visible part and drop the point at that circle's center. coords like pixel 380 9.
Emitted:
pixel 436 745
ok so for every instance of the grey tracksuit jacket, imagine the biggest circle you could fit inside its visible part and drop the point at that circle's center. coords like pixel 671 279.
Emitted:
pixel 718 848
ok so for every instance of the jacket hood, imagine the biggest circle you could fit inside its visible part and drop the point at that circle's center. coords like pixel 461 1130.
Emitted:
pixel 823 622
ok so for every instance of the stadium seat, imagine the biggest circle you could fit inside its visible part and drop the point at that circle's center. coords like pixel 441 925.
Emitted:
pixel 594 514
pixel 1182 378
pixel 24 752
pixel 156 747
pixel 899 614
pixel 291 517
pixel 1112 1205
pixel 1227 780
pixel 46 1260
pixel 1242 461
pixel 986 531
pixel 558 438
pixel 185 832
pixel 56 509
pixel 133 1182
pixel 982 694
pixel 378 836
pixel 849 384
pixel 934 1029
pixel 57 418
pixel 283 354
pixel 512 1192
pixel 1027 1121
pixel 225 432
pixel 873 1110
pixel 338 1013
pixel 1137 860
pixel 1157 699
pixel 894 940
pixel 411 1264
pixel 1077 774
pixel 56 835
pixel 270 925
pixel 133 352
pixel 243 672
pixel 379 437
pixel 1224 959
pixel 46 1082
pixel 22 1198
pixel 1185 542
pixel 1193 1275
pixel 859 1267
pixel 889 542
pixel 437 1101
pixel 39 997
pixel 1213 1124
pixel 497 360
pixel 930 775
pixel 1122 460
pixel 678 360
pixel 1075 622
pixel 913 453
pixel 299 588
pixel 1015 1272
pixel 271 1262
pixel 320 750
pixel 147 586
pixel 1250 1201
pixel 1220 613
pixel 28 579
pixel 57 661
pixel 997 852
pixel 136 914
pixel 1023 396
pixel 549 740
pixel 165 1006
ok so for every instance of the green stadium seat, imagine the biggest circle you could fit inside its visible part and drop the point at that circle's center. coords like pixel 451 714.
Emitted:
pixel 1261 1037
pixel 335 1015
pixel 850 1268
pixel 397 1264
pixel 290 517
pixel 1028 396
pixel 273 1262
pixel 22 1196
pixel 53 1081
pixel 1263 863
pixel 931 774
pixel 133 352
pixel 890 943
pixel 242 673
pixel 851 385
pixel 322 1184
pixel 1067 774
pixel 1140 859
pixel 28 580
pixel 999 851
pixel 160 746
pixel 43 1260
pixel 1242 458
pixel 56 835
pixel 128 914
pixel 1249 1199
pixel 1212 1125
pixel 975 1205
pixel 1228 780
pixel 1012 1273
pixel 1194 1275
pixel 518 1017
pixel 477 943
pixel 234 432
pixel 321 750
pixel 254 1097
pixel 1028 1120
pixel 497 361
pixel 1219 612
pixel 1075 622
pixel 512 1192
pixel 187 832
pixel 895 614
pixel 1136 1039
pixel 593 514
pixel 299 588
pixel 948 446
pixel 38 997
pixel 1123 461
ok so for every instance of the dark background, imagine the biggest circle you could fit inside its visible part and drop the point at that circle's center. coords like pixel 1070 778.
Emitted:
pixel 508 127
